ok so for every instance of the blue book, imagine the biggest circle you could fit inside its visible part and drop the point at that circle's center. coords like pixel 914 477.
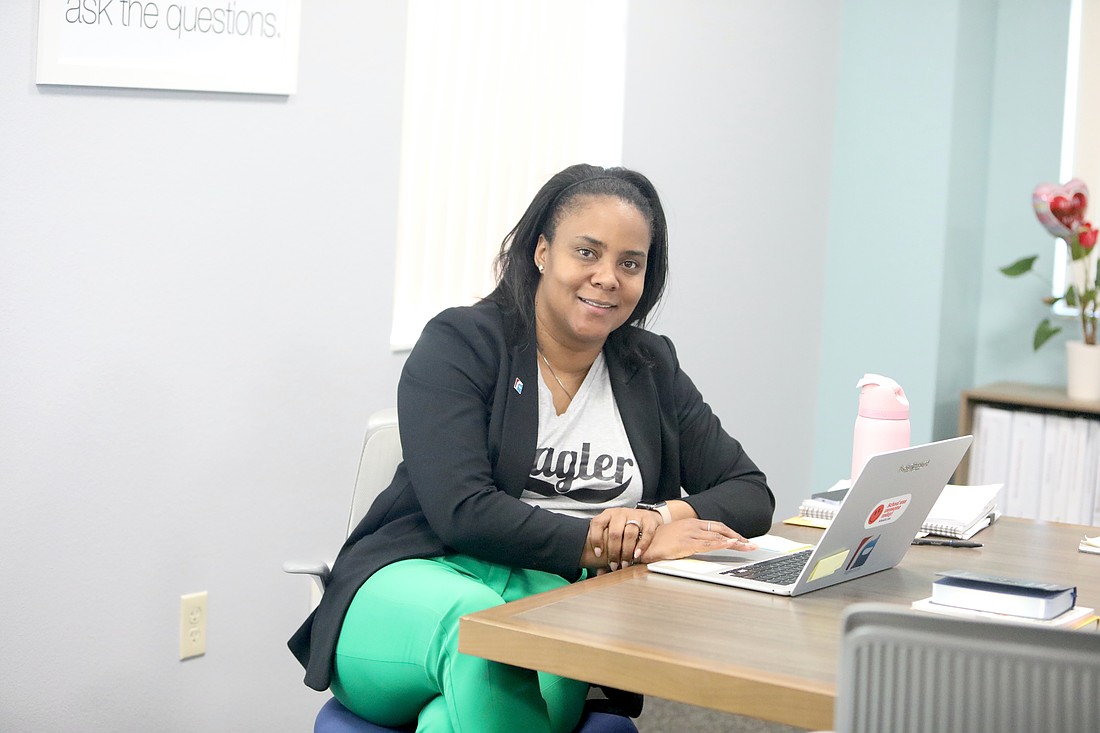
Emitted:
pixel 995 594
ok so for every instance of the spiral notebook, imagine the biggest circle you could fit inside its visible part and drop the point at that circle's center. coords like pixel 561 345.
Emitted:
pixel 959 513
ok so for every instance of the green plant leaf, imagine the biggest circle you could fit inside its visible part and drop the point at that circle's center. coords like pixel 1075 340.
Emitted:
pixel 1076 251
pixel 1043 333
pixel 1019 267
pixel 1071 297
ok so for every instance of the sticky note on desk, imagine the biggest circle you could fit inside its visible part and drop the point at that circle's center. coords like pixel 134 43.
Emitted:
pixel 828 565
pixel 808 522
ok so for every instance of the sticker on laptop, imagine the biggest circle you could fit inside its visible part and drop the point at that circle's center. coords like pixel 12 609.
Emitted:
pixel 888 510
pixel 826 566
pixel 863 551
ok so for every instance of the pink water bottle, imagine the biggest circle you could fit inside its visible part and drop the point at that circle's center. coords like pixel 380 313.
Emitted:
pixel 883 421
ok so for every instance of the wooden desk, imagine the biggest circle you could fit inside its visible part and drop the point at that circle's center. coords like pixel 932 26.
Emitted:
pixel 740 651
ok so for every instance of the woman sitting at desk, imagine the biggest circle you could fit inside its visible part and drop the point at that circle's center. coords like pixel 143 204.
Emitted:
pixel 546 436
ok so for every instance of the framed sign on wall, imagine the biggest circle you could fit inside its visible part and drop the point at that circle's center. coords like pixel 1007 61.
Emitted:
pixel 209 45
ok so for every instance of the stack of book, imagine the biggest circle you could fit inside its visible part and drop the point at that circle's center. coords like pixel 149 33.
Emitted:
pixel 1049 463
pixel 959 513
pixel 976 595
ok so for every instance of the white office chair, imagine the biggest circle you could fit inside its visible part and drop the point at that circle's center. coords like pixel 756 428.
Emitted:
pixel 377 464
pixel 907 672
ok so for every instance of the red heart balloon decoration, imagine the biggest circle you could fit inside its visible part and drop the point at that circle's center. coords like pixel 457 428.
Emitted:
pixel 1080 205
pixel 1060 205
pixel 1061 209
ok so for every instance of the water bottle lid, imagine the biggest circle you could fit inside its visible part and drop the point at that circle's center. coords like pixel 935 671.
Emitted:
pixel 882 398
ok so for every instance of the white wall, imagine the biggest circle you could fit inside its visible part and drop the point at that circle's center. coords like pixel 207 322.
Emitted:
pixel 195 293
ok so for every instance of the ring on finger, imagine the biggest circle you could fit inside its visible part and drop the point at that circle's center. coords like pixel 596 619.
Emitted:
pixel 636 523
pixel 708 526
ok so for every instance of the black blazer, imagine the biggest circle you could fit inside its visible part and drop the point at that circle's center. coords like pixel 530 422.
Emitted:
pixel 468 406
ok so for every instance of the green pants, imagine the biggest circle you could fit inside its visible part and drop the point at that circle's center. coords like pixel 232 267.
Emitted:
pixel 397 658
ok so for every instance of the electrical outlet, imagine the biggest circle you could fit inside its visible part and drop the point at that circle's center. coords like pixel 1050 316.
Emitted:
pixel 192 625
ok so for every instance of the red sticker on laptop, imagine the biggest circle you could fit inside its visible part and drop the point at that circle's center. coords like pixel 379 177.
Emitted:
pixel 888 510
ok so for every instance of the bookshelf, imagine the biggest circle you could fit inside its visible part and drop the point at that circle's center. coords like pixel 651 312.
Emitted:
pixel 1015 397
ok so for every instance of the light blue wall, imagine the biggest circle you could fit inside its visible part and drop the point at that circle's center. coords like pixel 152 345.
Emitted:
pixel 887 244
pixel 1025 149
pixel 948 114
pixel 975 48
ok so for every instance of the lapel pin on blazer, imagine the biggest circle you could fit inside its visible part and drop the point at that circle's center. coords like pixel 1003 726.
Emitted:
pixel 518 386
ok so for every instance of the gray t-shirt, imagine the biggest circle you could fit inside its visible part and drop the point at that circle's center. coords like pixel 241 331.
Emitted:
pixel 584 463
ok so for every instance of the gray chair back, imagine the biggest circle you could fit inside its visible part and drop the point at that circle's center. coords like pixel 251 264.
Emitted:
pixel 377 463
pixel 907 672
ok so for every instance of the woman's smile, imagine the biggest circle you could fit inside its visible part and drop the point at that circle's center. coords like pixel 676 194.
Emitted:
pixel 598 304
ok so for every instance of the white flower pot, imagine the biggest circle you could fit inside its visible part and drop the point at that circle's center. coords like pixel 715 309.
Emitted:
pixel 1083 371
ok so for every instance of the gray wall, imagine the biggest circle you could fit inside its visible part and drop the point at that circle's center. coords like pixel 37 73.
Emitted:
pixel 195 293
pixel 195 296
pixel 729 109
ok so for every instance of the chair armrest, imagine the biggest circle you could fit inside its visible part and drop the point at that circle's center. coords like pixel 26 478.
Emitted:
pixel 319 571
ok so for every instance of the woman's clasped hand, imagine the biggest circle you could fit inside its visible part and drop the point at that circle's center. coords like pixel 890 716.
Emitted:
pixel 619 538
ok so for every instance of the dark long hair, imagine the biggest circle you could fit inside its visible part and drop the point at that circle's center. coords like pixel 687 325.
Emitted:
pixel 517 275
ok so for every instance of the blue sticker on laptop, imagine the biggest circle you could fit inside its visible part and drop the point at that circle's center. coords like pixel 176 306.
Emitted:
pixel 863 551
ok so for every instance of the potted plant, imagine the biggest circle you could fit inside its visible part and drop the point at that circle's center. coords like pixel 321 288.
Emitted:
pixel 1061 210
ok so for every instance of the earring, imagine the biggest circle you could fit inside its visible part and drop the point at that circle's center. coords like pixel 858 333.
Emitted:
pixel 541 268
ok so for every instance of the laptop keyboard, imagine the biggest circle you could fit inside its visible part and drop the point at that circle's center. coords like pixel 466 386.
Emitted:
pixel 782 570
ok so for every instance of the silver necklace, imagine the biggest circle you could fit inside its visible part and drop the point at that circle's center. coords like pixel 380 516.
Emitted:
pixel 554 374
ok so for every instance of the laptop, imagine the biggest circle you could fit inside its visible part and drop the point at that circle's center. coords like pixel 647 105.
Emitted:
pixel 872 530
